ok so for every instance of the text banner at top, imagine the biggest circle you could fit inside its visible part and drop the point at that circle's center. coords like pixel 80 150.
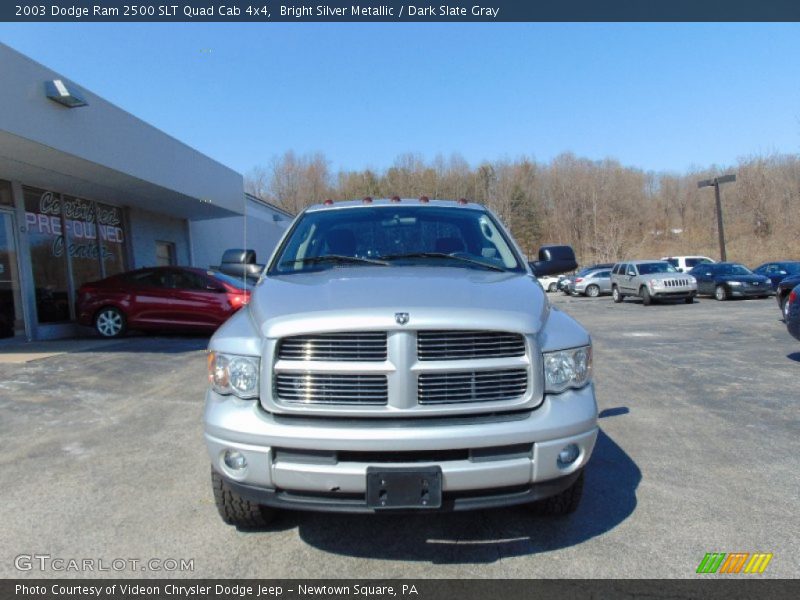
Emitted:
pixel 399 11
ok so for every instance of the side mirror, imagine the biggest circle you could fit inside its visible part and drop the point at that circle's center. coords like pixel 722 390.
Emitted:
pixel 554 260
pixel 240 256
pixel 240 262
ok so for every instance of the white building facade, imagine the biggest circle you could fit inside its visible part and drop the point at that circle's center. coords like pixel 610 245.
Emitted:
pixel 88 190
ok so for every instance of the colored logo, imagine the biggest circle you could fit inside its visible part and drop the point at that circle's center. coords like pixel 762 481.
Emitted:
pixel 734 562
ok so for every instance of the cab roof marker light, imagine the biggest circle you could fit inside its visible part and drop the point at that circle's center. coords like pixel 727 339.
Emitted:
pixel 328 202
pixel 395 199
pixel 367 200
pixel 462 201
pixel 424 199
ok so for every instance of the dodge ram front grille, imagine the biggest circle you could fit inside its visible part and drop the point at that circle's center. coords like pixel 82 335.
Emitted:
pixel 319 388
pixel 348 346
pixel 465 345
pixel 471 386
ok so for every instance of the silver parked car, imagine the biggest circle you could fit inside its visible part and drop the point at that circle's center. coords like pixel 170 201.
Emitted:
pixel 399 355
pixel 592 284
pixel 651 280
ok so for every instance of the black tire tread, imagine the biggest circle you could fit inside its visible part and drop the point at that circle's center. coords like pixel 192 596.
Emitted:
pixel 236 510
pixel 561 504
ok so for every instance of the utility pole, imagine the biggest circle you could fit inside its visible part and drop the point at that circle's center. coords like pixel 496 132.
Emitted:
pixel 720 229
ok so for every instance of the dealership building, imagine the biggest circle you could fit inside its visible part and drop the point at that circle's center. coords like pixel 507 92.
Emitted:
pixel 87 190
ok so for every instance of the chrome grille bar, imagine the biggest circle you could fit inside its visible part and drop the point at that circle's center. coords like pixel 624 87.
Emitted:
pixel 463 345
pixel 347 346
pixel 319 388
pixel 471 386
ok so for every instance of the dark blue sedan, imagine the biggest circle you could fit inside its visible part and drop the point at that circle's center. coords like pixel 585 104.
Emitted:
pixel 730 280
pixel 777 271
pixel 793 313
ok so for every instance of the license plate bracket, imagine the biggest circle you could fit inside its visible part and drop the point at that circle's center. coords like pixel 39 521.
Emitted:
pixel 404 488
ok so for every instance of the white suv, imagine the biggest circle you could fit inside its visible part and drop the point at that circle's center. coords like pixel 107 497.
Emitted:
pixel 685 263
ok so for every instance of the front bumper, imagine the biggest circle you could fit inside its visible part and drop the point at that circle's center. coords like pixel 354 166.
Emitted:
pixel 321 464
pixel 750 292
pixel 661 293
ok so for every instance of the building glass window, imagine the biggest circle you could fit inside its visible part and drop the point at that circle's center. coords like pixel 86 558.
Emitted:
pixel 49 260
pixel 73 241
pixel 165 254
pixel 5 194
pixel 112 238
pixel 80 224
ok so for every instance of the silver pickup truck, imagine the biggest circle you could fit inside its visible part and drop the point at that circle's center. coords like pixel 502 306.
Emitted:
pixel 399 355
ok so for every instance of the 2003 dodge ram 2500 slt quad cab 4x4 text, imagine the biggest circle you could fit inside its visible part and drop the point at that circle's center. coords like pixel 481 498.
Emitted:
pixel 399 355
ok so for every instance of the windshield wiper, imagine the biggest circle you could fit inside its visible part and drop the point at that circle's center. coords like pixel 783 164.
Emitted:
pixel 463 259
pixel 334 258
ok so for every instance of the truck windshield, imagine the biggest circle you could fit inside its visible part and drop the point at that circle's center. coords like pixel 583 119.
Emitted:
pixel 394 236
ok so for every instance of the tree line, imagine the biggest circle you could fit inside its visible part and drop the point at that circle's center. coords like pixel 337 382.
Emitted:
pixel 605 210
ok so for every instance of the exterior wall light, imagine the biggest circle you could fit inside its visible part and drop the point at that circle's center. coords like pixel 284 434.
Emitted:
pixel 57 91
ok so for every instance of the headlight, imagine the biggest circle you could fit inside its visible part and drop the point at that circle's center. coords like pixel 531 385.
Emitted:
pixel 656 283
pixel 232 374
pixel 567 369
pixel 734 283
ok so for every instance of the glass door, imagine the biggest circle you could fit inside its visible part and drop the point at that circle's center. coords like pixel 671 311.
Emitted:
pixel 10 302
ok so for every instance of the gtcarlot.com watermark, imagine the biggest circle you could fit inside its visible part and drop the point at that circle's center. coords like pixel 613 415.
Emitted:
pixel 47 562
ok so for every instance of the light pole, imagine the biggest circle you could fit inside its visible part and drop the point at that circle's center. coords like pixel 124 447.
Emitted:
pixel 720 229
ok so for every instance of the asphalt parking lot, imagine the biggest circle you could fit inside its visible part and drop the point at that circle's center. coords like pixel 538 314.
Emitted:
pixel 102 458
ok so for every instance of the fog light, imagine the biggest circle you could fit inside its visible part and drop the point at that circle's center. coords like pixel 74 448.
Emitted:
pixel 234 460
pixel 568 455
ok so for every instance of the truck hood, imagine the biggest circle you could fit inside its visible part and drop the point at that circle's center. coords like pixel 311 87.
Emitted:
pixel 367 297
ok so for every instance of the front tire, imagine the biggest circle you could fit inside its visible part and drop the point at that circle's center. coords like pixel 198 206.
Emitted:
pixel 721 293
pixel 110 322
pixel 552 287
pixel 647 300
pixel 689 300
pixel 785 308
pixel 593 291
pixel 235 509
pixel 561 504
pixel 616 295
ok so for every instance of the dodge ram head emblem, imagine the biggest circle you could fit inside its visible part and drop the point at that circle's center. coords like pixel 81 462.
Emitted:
pixel 401 318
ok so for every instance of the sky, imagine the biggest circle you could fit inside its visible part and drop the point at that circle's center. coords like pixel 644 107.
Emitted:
pixel 660 97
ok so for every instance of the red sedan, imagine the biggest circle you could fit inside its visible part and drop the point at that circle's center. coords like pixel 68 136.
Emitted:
pixel 160 298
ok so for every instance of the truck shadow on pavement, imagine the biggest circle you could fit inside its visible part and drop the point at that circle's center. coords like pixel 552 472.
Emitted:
pixel 484 536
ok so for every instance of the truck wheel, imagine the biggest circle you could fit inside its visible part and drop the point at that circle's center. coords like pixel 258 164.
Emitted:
pixel 721 293
pixel 785 308
pixel 645 294
pixel 561 504
pixel 110 322
pixel 593 291
pixel 236 510
pixel 616 295
pixel 689 300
